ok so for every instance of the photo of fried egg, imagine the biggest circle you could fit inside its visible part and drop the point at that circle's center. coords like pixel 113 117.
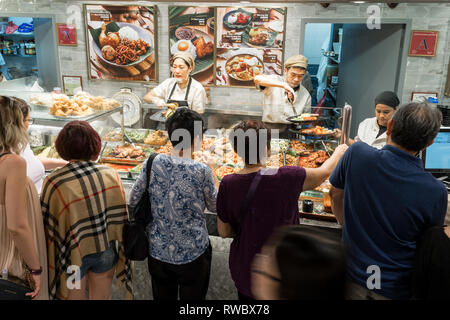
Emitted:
pixel 184 46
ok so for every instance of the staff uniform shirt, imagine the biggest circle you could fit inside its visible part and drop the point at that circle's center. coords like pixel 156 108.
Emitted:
pixel 180 190
pixel 277 108
pixel 196 97
pixel 35 168
pixel 368 131
pixel 389 201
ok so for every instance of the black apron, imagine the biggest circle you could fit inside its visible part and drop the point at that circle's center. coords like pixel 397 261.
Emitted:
pixel 181 103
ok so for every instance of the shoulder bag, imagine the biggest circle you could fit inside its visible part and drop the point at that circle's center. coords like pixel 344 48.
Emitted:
pixel 134 237
pixel 246 205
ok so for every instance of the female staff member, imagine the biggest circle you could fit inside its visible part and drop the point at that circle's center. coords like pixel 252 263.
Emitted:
pixel 373 130
pixel 182 88
pixel 36 166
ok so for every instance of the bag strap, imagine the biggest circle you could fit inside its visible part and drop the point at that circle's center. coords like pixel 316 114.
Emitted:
pixel 149 166
pixel 248 200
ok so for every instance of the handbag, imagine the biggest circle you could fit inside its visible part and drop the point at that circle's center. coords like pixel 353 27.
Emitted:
pixel 135 239
pixel 246 205
pixel 13 291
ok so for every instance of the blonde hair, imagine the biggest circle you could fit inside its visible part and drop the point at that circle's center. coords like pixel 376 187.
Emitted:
pixel 13 134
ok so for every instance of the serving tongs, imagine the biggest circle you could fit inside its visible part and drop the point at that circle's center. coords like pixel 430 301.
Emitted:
pixel 326 149
pixel 128 139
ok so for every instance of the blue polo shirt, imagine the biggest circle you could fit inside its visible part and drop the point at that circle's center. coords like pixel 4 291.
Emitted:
pixel 389 201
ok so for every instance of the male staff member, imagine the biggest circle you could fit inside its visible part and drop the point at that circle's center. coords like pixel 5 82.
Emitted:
pixel 385 201
pixel 284 96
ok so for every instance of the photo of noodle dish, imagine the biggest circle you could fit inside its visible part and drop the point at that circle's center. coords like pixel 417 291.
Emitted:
pixel 126 45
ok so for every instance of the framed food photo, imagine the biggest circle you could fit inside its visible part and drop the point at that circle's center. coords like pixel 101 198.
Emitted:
pixel 192 29
pixel 67 34
pixel 423 43
pixel 121 42
pixel 422 96
pixel 72 84
pixel 250 41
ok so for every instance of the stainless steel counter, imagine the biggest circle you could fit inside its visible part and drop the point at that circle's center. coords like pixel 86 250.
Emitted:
pixel 222 109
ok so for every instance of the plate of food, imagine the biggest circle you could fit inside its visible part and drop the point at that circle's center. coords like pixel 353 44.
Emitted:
pixel 121 44
pixel 225 170
pixel 259 37
pixel 237 19
pixel 317 131
pixel 156 138
pixel 198 43
pixel 305 118
pixel 314 160
pixel 126 154
pixel 244 67
pixel 67 108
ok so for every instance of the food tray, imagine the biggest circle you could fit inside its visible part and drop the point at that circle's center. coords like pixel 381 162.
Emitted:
pixel 312 135
pixel 315 216
pixel 290 119
pixel 120 161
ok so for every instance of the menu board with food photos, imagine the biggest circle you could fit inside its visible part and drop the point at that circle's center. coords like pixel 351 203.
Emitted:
pixel 121 42
pixel 192 29
pixel 250 41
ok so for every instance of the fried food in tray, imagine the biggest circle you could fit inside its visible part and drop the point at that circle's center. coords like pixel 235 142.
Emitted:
pixel 315 160
pixel 275 161
pixel 316 131
pixel 127 152
pixel 290 160
pixel 166 149
pixel 64 107
pixel 225 170
pixel 95 102
pixel 113 135
pixel 156 138
pixel 300 147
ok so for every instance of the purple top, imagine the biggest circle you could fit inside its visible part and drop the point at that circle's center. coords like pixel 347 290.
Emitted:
pixel 275 204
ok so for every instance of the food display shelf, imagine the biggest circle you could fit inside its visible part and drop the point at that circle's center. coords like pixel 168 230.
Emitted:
pixel 41 115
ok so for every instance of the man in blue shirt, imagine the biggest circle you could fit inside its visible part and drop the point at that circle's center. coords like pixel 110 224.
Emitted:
pixel 385 201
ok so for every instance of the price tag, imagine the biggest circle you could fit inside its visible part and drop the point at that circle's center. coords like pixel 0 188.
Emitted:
pixel 260 17
pixel 198 21
pixel 232 38
pixel 100 16
pixel 270 58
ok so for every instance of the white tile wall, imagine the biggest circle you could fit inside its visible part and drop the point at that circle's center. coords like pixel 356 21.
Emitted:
pixel 424 74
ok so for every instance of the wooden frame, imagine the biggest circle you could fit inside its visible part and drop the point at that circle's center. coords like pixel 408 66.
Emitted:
pixel 138 73
pixel 67 34
pixel 417 49
pixel 75 80
pixel 418 94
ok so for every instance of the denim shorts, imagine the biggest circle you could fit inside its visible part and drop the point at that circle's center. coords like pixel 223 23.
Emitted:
pixel 100 262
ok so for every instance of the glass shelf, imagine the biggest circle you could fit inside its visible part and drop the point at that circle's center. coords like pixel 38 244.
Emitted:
pixel 40 114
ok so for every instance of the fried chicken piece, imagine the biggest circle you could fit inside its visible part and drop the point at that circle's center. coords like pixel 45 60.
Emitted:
pixel 202 48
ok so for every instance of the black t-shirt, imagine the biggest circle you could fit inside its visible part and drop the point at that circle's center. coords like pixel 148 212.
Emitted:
pixel 381 131
pixel 431 273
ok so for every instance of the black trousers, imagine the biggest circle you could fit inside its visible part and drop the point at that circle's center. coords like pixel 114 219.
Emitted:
pixel 190 280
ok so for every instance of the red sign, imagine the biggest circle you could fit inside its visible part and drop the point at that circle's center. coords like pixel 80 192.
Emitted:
pixel 67 34
pixel 423 43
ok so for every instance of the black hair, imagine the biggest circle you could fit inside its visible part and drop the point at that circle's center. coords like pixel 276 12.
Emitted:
pixel 415 125
pixel 184 118
pixel 311 262
pixel 242 133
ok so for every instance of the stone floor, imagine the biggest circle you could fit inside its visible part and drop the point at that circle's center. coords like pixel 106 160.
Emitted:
pixel 221 286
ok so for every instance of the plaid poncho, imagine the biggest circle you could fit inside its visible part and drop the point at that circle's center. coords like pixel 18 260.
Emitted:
pixel 84 208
